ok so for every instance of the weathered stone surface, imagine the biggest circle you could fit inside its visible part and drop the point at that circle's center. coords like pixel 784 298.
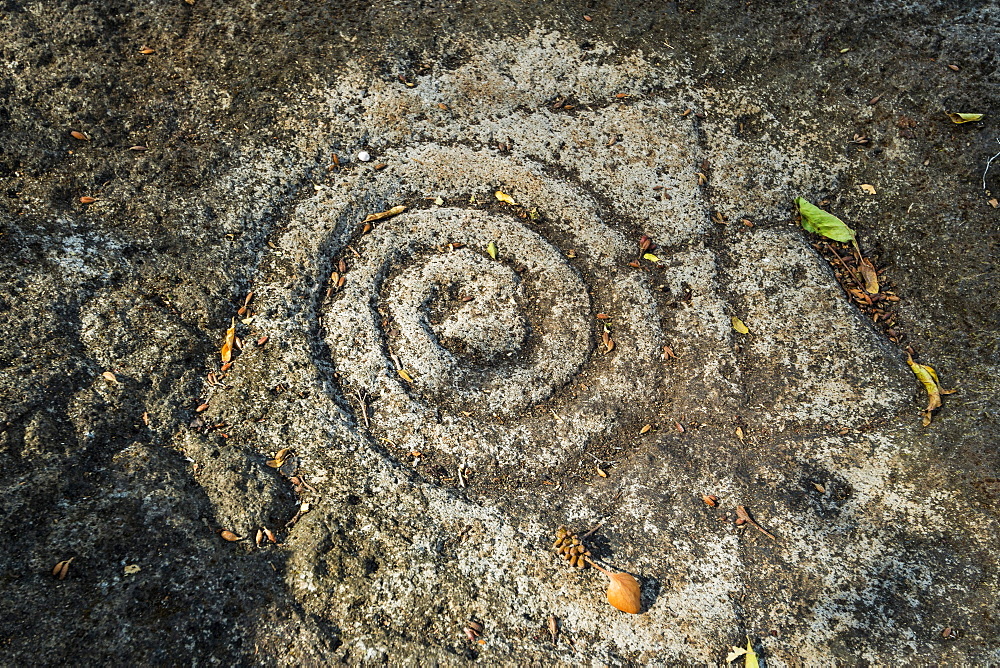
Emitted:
pixel 415 503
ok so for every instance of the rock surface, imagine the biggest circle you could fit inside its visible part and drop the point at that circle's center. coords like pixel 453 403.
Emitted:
pixel 446 381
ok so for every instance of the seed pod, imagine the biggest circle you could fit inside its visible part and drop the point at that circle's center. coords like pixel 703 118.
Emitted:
pixel 270 535
pixel 580 561
pixel 230 536
pixel 572 560
pixel 62 568
pixel 556 545
pixel 259 538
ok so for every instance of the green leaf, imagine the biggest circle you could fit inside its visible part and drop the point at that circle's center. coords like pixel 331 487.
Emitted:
pixel 650 257
pixel 815 219
pixel 751 660
pixel 739 326
pixel 492 250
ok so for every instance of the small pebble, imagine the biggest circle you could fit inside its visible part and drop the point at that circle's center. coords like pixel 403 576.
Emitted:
pixel 364 156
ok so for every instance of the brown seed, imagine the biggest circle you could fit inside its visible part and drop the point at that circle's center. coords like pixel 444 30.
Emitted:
pixel 270 535
pixel 230 536
pixel 679 427
pixel 201 408
pixel 110 377
pixel 146 51
pixel 137 148
pixel 87 200
pixel 62 568
pixel 954 68
pixel 262 340
pixel 476 626
pixel 710 500
pixel 587 18
pixel 259 538
pixel 78 135
pixel 602 316
pixel 442 106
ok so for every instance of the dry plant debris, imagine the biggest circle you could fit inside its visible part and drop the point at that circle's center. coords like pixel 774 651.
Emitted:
pixel 623 592
pixel 748 653
pixel 62 568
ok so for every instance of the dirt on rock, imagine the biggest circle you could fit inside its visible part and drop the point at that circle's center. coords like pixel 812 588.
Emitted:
pixel 597 310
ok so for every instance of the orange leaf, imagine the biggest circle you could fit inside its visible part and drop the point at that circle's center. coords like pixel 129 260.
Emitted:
pixel 624 593
pixel 227 346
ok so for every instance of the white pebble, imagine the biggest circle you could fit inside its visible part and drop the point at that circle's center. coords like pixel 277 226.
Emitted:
pixel 364 156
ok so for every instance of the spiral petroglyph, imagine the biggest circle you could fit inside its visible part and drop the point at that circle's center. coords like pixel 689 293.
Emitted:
pixel 481 356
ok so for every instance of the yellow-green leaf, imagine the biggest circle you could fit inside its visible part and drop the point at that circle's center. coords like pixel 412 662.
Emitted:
pixel 650 257
pixel 736 653
pixel 964 118
pixel 751 656
pixel 929 379
pixel 406 376
pixel 492 250
pixel 818 221
pixel 504 197
pixel 739 326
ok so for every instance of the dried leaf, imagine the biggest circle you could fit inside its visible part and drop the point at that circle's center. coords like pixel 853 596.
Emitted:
pixel 624 592
pixel 405 375
pixel 87 200
pixel 110 377
pixel 964 118
pixel 710 500
pixel 736 653
pixel 384 214
pixel 818 221
pixel 78 135
pixel 492 250
pixel 230 536
pixel 227 346
pixel 868 188
pixel 871 277
pixel 739 326
pixel 132 569
pixel 504 197
pixel 928 378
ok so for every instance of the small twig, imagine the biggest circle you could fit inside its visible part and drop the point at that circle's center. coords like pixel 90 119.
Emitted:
pixel 844 265
pixel 364 408
pixel 988 163
pixel 742 513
